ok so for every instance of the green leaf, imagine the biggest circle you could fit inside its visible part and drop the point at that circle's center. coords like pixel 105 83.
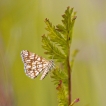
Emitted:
pixel 52 50
pixel 55 36
pixel 73 57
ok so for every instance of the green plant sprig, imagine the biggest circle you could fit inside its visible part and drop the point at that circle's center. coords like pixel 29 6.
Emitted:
pixel 57 44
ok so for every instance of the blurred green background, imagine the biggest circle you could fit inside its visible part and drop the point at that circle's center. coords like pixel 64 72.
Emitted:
pixel 21 27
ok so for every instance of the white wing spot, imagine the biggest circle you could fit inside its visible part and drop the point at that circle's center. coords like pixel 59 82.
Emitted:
pixel 28 66
pixel 38 59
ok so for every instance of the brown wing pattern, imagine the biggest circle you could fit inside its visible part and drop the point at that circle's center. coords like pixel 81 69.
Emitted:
pixel 33 64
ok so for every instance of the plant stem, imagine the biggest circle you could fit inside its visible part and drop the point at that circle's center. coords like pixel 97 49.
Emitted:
pixel 69 75
pixel 69 82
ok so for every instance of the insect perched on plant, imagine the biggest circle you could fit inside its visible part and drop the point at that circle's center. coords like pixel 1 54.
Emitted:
pixel 34 64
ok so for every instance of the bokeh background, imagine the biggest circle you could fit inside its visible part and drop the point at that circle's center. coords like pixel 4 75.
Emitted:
pixel 21 27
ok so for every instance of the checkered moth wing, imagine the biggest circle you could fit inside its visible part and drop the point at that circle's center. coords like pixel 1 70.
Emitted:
pixel 34 64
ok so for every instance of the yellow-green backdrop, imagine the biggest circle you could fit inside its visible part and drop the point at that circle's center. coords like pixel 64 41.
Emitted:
pixel 21 27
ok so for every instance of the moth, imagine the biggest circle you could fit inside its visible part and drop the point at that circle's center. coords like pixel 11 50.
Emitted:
pixel 34 64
